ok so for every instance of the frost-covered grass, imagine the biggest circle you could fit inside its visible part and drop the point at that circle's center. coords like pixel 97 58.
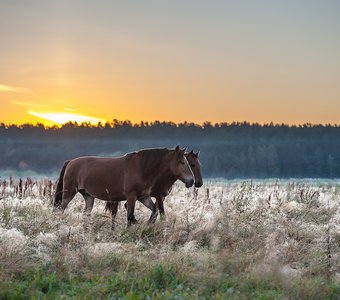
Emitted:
pixel 229 239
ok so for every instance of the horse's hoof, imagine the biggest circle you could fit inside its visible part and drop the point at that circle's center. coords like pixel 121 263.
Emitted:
pixel 133 222
pixel 57 209
pixel 152 221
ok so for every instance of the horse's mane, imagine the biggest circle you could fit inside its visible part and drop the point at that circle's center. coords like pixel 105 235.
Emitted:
pixel 151 160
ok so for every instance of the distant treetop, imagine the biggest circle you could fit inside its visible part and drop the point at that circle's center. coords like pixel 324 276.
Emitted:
pixel 115 123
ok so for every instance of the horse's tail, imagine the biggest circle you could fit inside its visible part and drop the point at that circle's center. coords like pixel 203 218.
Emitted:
pixel 109 206
pixel 60 184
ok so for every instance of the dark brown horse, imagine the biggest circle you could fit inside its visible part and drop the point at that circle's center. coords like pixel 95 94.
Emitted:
pixel 129 177
pixel 162 188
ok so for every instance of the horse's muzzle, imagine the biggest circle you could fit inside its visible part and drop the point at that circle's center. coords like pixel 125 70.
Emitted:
pixel 198 183
pixel 189 182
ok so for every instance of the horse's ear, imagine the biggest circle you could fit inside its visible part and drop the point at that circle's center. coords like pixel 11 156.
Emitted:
pixel 191 152
pixel 197 153
pixel 177 148
pixel 184 149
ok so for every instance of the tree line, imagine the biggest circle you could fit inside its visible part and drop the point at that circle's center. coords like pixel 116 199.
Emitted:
pixel 229 150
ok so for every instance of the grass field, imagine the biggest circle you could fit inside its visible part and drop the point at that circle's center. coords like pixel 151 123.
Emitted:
pixel 227 240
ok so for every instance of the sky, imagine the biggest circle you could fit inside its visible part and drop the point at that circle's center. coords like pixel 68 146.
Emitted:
pixel 219 61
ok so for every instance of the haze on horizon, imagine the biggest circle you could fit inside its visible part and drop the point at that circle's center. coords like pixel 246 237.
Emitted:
pixel 258 61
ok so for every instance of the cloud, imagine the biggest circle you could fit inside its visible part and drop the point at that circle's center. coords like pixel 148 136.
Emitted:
pixel 30 104
pixel 6 88
pixel 11 89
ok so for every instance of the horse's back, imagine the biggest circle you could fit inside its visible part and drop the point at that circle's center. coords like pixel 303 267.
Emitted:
pixel 101 177
pixel 89 168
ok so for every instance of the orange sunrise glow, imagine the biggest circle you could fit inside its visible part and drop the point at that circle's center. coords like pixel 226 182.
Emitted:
pixel 210 61
pixel 62 118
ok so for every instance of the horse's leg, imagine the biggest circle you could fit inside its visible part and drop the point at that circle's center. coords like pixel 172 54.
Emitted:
pixel 68 194
pixel 114 209
pixel 133 220
pixel 160 206
pixel 131 201
pixel 152 206
pixel 89 202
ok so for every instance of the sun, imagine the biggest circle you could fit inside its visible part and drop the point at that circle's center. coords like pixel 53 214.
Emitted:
pixel 60 118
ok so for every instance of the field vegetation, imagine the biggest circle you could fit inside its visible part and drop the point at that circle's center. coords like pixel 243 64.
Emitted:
pixel 227 240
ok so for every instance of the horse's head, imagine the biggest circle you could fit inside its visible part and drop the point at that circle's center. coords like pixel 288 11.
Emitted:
pixel 180 168
pixel 195 166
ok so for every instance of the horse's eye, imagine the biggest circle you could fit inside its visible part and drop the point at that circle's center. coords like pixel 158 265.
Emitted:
pixel 192 166
pixel 182 162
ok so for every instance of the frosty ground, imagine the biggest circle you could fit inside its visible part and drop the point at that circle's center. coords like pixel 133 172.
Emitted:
pixel 269 239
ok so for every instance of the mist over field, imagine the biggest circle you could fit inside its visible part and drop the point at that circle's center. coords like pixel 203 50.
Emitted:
pixel 235 150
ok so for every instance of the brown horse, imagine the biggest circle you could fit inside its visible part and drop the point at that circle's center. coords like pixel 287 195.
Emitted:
pixel 162 188
pixel 129 177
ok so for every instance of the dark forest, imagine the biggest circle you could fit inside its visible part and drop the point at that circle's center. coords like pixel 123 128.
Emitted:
pixel 229 150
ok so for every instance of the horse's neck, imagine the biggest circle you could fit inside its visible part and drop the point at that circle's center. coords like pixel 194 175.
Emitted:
pixel 166 179
pixel 163 184
pixel 163 172
pixel 170 179
pixel 168 184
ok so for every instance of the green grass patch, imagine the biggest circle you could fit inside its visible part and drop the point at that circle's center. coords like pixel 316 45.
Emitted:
pixel 158 282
